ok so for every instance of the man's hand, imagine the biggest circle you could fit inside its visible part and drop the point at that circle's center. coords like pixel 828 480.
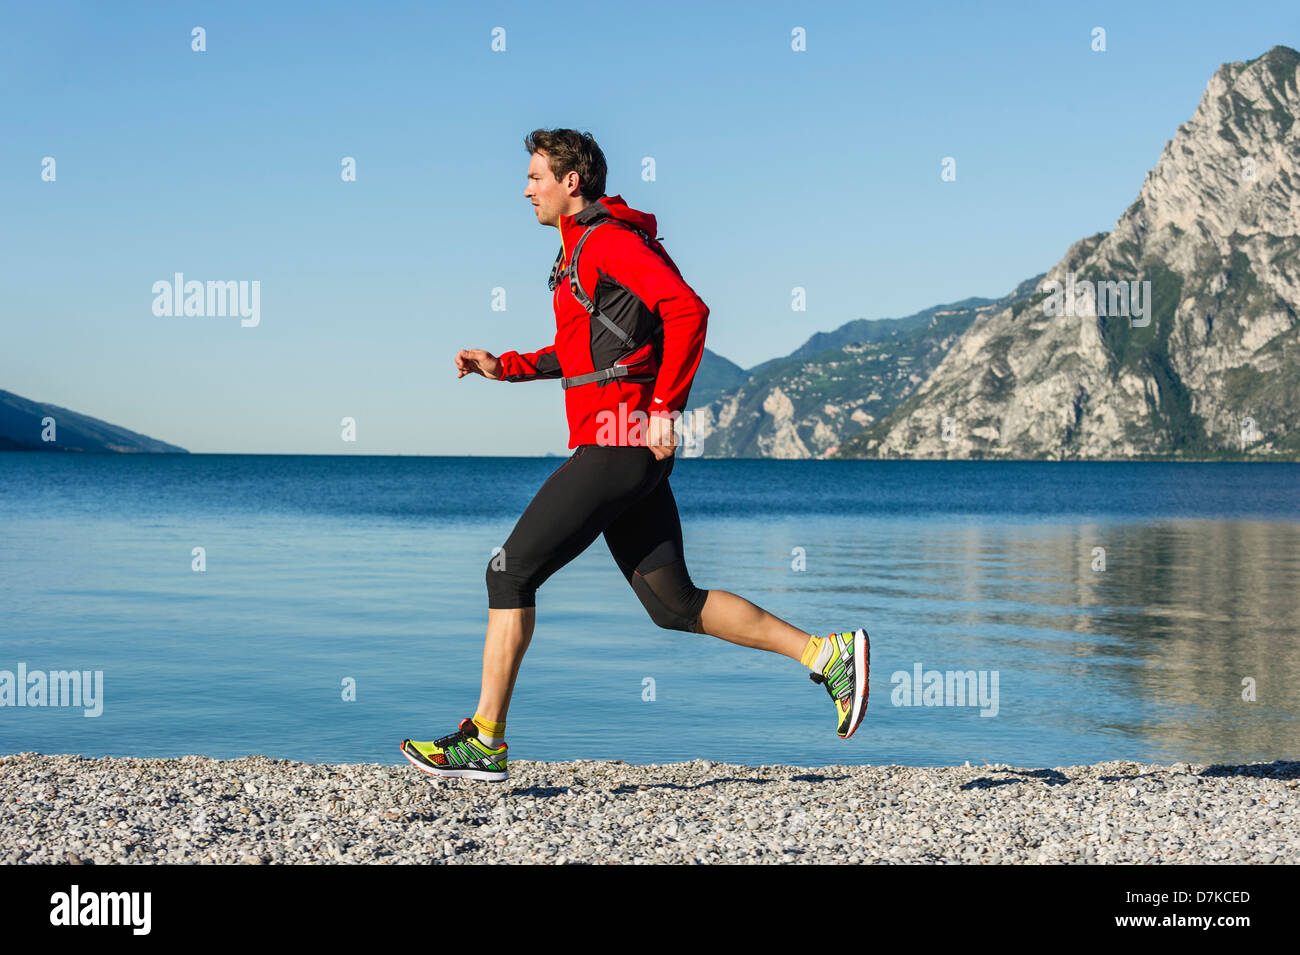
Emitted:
pixel 478 361
pixel 660 437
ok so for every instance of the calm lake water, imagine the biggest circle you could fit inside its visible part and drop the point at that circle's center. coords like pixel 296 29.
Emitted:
pixel 321 570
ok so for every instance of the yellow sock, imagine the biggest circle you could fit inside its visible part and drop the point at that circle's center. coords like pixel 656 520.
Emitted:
pixel 490 732
pixel 812 651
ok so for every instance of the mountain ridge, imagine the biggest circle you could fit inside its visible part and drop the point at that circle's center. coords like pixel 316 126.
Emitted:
pixel 22 426
pixel 1212 372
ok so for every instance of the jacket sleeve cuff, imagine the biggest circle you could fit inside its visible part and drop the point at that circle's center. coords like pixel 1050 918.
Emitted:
pixel 509 364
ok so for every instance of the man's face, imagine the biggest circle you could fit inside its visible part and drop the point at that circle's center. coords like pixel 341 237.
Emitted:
pixel 547 194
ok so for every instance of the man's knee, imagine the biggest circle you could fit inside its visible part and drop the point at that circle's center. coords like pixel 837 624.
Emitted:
pixel 506 590
pixel 672 608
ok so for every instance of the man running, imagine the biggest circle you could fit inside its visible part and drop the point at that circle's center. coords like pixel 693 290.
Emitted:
pixel 629 337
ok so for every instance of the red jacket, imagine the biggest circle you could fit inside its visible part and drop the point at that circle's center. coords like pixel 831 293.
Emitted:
pixel 631 284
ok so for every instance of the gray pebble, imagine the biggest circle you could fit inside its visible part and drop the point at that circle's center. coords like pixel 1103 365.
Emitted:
pixel 254 811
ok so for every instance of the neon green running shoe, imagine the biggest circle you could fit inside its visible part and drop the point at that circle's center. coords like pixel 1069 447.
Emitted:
pixel 845 677
pixel 460 755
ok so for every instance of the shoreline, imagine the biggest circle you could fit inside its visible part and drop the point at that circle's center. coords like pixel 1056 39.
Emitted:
pixel 257 810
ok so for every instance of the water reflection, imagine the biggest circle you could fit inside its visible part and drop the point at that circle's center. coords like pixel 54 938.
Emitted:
pixel 1155 646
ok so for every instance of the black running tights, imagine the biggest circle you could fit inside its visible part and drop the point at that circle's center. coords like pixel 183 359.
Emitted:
pixel 622 492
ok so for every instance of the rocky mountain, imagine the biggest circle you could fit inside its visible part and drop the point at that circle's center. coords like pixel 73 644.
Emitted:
pixel 832 386
pixel 23 422
pixel 1175 335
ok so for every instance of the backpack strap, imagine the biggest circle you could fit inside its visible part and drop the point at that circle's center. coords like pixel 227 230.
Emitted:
pixel 559 273
pixel 576 287
pixel 605 374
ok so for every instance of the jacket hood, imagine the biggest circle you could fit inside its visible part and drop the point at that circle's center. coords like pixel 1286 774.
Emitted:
pixel 572 227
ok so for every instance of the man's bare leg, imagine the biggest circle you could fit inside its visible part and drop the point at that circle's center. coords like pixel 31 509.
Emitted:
pixel 725 615
pixel 508 635
pixel 736 620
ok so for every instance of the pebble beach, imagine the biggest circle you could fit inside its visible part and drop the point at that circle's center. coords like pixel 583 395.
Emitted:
pixel 259 811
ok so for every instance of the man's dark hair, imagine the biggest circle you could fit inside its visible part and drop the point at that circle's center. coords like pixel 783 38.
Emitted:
pixel 568 150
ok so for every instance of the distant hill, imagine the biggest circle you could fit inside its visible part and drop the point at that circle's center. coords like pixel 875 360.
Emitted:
pixel 1208 369
pixel 715 376
pixel 21 428
pixel 832 386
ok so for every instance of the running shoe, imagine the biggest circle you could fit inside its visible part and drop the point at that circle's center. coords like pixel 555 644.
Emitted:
pixel 460 755
pixel 846 677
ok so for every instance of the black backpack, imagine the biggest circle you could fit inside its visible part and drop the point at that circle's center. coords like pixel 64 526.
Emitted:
pixel 559 273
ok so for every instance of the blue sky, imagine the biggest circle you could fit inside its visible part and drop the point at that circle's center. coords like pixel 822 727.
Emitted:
pixel 775 169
